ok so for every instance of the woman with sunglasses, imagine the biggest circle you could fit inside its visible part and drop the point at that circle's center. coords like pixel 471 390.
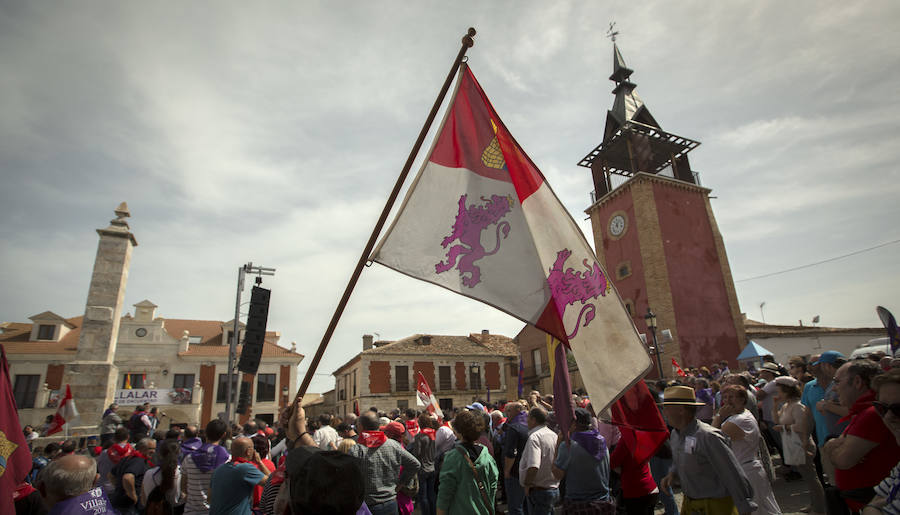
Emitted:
pixel 887 493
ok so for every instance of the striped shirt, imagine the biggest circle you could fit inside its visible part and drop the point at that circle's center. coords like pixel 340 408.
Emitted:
pixel 197 502
pixel 889 488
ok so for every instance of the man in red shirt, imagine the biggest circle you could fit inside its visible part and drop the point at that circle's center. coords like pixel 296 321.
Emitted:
pixel 866 451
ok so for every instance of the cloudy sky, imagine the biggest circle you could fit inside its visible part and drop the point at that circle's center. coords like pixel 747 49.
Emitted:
pixel 273 132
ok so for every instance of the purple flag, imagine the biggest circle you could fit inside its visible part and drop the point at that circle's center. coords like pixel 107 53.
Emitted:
pixel 563 407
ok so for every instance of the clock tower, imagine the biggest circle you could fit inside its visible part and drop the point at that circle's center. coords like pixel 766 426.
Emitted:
pixel 656 235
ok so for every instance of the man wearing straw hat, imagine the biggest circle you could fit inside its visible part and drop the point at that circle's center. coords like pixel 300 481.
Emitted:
pixel 710 476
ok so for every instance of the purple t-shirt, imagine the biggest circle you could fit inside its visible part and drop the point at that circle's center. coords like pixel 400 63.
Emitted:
pixel 92 502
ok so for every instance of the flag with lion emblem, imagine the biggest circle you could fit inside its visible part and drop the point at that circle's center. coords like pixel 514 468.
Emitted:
pixel 480 220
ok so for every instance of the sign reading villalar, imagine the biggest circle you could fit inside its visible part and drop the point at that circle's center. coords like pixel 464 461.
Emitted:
pixel 481 220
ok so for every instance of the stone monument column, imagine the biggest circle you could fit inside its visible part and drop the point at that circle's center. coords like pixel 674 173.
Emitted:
pixel 93 375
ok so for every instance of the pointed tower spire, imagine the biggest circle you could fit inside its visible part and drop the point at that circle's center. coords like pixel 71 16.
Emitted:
pixel 633 142
pixel 620 71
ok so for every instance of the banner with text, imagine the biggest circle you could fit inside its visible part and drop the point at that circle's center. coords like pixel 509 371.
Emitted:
pixel 157 396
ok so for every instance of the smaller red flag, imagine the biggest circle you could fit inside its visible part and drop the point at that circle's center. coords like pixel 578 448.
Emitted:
pixel 67 412
pixel 677 369
pixel 425 398
pixel 640 422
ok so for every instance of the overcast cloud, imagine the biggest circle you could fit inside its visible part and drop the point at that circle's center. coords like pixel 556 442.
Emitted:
pixel 273 132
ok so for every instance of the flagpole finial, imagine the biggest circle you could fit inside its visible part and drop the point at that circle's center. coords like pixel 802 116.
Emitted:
pixel 467 39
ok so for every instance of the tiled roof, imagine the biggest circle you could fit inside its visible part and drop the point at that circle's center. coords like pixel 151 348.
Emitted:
pixel 270 350
pixel 757 329
pixel 474 344
pixel 207 329
pixel 15 339
pixel 353 360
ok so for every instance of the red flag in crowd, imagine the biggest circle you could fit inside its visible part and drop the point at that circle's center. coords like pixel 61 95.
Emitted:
pixel 640 422
pixel 15 459
pixel 425 398
pixel 677 369
pixel 481 221
pixel 65 414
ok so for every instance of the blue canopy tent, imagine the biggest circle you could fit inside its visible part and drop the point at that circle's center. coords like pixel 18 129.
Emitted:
pixel 753 352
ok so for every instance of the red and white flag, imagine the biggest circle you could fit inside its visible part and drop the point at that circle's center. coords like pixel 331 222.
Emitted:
pixel 425 398
pixel 480 220
pixel 65 414
pixel 676 369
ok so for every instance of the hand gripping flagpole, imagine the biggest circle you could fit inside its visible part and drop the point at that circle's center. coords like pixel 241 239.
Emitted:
pixel 467 42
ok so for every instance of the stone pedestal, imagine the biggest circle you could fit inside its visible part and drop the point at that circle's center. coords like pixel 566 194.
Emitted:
pixel 93 388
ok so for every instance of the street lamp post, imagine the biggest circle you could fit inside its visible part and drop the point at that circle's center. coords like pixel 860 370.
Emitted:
pixel 650 317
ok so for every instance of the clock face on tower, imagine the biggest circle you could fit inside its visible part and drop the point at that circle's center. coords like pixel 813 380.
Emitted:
pixel 617 225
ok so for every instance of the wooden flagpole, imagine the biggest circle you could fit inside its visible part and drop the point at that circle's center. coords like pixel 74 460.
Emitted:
pixel 467 42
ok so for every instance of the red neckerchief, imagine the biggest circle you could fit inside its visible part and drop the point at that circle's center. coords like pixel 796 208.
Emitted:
pixel 139 454
pixel 862 403
pixel 430 433
pixel 372 439
pixel 238 459
pixel 413 427
pixel 22 491
pixel 277 477
pixel 118 452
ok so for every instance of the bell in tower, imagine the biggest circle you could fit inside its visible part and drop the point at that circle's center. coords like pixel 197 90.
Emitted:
pixel 655 232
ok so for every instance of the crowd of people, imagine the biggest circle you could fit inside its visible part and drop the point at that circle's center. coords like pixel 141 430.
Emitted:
pixel 833 423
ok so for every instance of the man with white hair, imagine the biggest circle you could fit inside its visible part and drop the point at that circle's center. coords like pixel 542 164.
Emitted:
pixel 67 485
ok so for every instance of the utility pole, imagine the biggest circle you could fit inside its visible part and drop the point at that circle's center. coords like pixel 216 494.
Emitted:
pixel 232 345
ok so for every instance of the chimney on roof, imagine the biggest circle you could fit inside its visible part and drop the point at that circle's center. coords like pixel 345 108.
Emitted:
pixel 484 334
pixel 425 339
pixel 368 339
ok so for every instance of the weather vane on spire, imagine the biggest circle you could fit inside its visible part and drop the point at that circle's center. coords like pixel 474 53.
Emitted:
pixel 612 32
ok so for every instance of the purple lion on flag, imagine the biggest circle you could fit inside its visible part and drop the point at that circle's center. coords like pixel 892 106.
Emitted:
pixel 569 286
pixel 470 222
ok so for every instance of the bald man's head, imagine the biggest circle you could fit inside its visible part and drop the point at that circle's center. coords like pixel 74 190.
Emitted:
pixel 66 477
pixel 242 447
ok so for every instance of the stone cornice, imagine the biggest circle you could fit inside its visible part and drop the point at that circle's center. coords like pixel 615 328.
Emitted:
pixel 641 177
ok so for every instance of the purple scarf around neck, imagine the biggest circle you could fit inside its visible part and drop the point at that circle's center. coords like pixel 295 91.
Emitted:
pixel 521 418
pixel 209 457
pixel 591 441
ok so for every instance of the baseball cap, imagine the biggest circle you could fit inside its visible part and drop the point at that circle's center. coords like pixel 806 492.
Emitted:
pixel 830 357
pixel 476 405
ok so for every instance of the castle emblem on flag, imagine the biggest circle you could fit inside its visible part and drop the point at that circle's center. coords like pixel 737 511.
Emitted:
pixel 470 222
pixel 6 450
pixel 492 157
pixel 569 286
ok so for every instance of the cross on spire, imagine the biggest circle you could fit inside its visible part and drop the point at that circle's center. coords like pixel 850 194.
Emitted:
pixel 611 33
